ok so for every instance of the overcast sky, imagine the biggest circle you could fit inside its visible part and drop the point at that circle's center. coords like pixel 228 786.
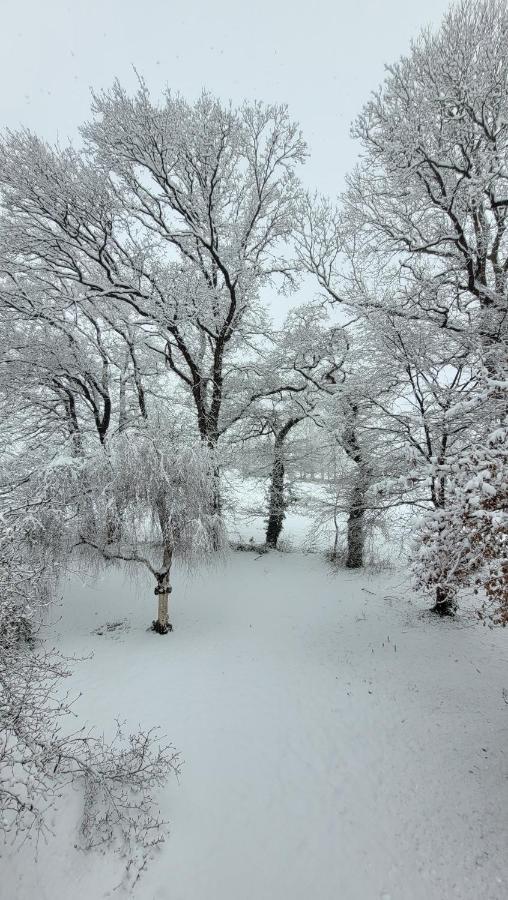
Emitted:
pixel 322 57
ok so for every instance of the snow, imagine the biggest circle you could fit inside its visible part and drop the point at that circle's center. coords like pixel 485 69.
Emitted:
pixel 338 743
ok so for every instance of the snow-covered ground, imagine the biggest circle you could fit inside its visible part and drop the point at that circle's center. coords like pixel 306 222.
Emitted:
pixel 338 744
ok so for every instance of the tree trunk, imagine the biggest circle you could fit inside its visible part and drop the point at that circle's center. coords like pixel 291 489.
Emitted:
pixel 356 518
pixel 208 430
pixel 72 422
pixel 336 532
pixel 216 508
pixel 113 522
pixel 355 527
pixel 161 624
pixel 276 501
pixel 122 406
pixel 445 604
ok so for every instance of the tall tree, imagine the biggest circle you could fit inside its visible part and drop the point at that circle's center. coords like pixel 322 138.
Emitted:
pixel 432 189
pixel 180 211
pixel 421 232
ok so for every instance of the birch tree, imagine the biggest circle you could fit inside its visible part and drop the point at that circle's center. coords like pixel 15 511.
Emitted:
pixel 165 491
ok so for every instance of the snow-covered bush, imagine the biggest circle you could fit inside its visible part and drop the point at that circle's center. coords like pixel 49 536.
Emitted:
pixel 465 544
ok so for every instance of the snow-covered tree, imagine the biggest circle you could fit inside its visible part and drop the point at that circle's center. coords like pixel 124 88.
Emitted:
pixel 67 370
pixel 299 363
pixel 420 233
pixel 162 492
pixel 180 211
pixel 431 197
pixel 41 752
pixel 431 191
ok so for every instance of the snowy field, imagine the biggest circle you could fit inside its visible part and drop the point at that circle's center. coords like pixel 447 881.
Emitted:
pixel 337 742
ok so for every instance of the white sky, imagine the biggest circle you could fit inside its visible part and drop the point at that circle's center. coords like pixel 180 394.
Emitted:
pixel 322 57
